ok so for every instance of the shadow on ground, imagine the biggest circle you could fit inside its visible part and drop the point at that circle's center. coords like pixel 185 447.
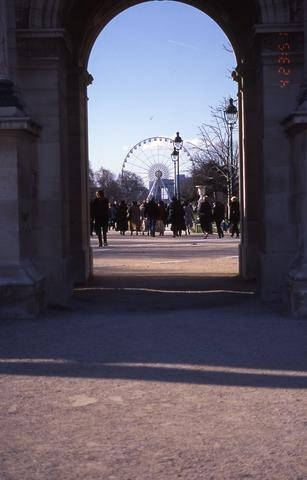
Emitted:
pixel 171 332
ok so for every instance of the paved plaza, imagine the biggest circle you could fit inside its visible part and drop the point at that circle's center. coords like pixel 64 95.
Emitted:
pixel 164 366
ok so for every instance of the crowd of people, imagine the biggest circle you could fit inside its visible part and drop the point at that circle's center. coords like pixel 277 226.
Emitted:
pixel 152 217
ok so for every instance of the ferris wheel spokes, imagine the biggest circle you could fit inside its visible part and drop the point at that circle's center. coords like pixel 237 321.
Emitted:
pixel 158 188
pixel 151 160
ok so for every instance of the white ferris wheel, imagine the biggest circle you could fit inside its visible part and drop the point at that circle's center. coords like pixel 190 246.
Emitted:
pixel 151 160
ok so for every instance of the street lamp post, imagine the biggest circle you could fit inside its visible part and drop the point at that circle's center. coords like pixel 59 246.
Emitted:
pixel 231 116
pixel 178 144
pixel 174 156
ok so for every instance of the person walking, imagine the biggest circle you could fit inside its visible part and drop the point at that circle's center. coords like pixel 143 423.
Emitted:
pixel 113 215
pixel 134 216
pixel 161 220
pixel 122 217
pixel 218 216
pixel 144 222
pixel 175 216
pixel 188 217
pixel 234 216
pixel 152 214
pixel 100 212
pixel 205 216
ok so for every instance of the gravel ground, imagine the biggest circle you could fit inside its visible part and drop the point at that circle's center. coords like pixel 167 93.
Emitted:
pixel 165 371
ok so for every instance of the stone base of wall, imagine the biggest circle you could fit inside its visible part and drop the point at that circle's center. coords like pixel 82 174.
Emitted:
pixel 297 292
pixel 22 292
pixel 274 269
pixel 248 261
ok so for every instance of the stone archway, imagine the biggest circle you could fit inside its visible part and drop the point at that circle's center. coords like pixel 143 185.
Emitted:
pixel 43 126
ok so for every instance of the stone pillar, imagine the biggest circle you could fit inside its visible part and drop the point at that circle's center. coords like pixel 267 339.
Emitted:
pixel 296 127
pixel 56 95
pixel 80 250
pixel 7 94
pixel 297 276
pixel 267 163
pixel 21 285
pixel 4 66
pixel 22 291
pixel 250 155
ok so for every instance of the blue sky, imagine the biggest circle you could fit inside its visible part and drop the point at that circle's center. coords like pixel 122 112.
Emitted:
pixel 157 68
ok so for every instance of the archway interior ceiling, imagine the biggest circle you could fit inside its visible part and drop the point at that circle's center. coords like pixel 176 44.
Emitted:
pixel 84 20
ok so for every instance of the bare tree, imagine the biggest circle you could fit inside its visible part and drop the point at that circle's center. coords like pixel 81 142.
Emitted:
pixel 127 186
pixel 132 187
pixel 105 180
pixel 214 162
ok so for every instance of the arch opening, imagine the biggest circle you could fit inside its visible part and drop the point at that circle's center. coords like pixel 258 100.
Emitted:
pixel 113 121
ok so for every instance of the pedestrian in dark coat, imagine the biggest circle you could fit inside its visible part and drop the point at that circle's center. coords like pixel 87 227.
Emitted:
pixel 152 214
pixel 122 217
pixel 205 216
pixel 234 216
pixel 218 216
pixel 113 215
pixel 188 217
pixel 161 220
pixel 176 217
pixel 100 212
pixel 134 217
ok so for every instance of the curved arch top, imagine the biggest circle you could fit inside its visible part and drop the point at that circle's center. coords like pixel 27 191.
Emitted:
pixel 83 21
